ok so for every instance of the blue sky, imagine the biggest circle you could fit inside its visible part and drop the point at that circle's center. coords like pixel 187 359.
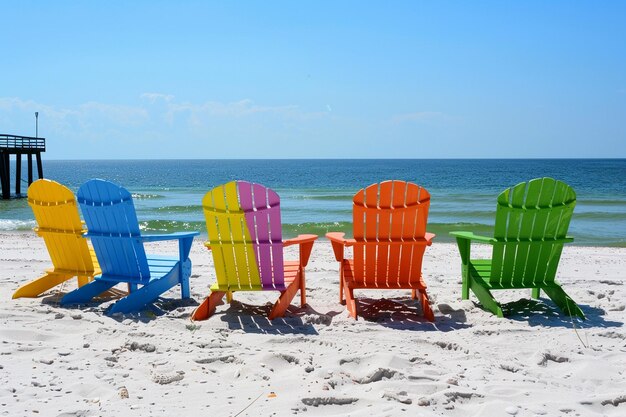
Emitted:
pixel 336 79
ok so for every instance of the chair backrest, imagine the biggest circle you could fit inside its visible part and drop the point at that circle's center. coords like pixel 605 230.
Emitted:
pixel 389 225
pixel 114 231
pixel 529 217
pixel 59 225
pixel 244 228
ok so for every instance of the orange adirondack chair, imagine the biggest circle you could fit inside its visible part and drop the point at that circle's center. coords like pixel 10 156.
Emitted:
pixel 389 221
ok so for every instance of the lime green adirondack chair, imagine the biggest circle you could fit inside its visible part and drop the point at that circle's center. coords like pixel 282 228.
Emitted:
pixel 531 227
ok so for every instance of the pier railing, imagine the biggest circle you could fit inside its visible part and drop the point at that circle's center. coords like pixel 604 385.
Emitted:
pixel 17 143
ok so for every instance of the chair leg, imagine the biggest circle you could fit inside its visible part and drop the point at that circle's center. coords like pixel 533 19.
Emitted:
pixel 413 294
pixel 136 300
pixel 428 312
pixel 302 289
pixel 284 301
pixel 229 297
pixel 40 285
pixel 350 302
pixel 85 293
pixel 464 250
pixel 563 301
pixel 185 273
pixel 486 299
pixel 84 280
pixel 342 299
pixel 466 283
pixel 208 306
pixel 536 292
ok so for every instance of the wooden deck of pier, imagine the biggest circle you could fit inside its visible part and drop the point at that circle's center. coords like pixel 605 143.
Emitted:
pixel 18 146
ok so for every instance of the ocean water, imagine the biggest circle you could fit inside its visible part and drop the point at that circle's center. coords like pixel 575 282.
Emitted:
pixel 316 195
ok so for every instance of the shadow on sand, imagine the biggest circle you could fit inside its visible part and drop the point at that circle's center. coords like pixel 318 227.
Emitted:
pixel 406 314
pixel 543 312
pixel 253 319
pixel 162 306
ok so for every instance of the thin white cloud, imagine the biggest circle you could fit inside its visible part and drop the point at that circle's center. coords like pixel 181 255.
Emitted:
pixel 104 113
pixel 198 114
pixel 97 120
pixel 235 109
pixel 117 114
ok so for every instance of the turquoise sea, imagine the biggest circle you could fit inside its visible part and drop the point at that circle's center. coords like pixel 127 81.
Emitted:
pixel 316 194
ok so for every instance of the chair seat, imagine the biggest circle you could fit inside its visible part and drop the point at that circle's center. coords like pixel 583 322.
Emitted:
pixel 480 270
pixel 290 268
pixel 158 265
pixel 348 276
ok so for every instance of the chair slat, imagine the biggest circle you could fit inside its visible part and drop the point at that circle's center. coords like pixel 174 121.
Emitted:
pixel 396 228
pixel 383 234
pixel 371 235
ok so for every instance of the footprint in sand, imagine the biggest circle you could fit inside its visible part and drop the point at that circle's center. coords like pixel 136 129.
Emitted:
pixel 167 377
pixel 545 357
pixel 317 401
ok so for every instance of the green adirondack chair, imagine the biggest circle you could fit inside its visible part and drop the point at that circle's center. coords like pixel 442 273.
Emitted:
pixel 531 227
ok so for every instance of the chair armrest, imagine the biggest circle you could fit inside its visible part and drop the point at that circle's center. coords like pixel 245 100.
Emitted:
pixel 339 238
pixel 169 236
pixel 306 246
pixel 429 238
pixel 299 240
pixel 339 243
pixel 185 239
pixel 472 236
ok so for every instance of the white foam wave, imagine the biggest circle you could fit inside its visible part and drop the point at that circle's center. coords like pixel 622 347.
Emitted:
pixel 6 224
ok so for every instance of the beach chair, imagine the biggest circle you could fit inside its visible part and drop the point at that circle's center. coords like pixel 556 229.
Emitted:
pixel 531 225
pixel 245 238
pixel 58 223
pixel 114 232
pixel 389 227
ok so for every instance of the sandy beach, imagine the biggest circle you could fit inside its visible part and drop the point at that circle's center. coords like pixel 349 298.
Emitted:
pixel 316 361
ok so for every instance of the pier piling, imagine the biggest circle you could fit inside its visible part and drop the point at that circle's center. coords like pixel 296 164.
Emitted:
pixel 19 145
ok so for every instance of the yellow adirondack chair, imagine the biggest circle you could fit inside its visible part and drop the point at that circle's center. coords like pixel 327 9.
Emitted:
pixel 58 223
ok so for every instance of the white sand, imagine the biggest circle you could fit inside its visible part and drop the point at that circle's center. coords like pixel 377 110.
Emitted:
pixel 68 362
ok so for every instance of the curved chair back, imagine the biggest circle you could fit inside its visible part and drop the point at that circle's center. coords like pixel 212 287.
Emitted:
pixel 244 228
pixel 114 231
pixel 58 223
pixel 532 218
pixel 389 227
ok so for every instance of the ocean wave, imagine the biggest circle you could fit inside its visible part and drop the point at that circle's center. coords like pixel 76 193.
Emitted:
pixel 7 225
pixel 601 202
pixel 440 229
pixel 179 209
pixel 320 229
pixel 600 216
pixel 142 196
pixel 169 226
pixel 324 197
pixel 290 230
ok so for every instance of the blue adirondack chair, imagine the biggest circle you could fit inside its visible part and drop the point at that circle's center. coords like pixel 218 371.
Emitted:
pixel 110 216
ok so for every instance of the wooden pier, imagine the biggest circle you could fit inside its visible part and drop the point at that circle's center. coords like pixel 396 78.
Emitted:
pixel 18 146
